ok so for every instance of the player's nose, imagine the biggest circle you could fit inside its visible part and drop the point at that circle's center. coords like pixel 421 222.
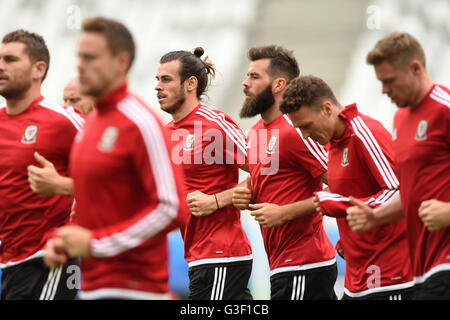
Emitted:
pixel 246 84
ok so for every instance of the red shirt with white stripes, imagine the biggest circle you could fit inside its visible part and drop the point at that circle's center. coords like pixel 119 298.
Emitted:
pixel 422 157
pixel 210 149
pixel 360 164
pixel 26 217
pixel 129 195
pixel 284 168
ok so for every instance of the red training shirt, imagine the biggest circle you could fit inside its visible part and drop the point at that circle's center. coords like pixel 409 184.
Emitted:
pixel 422 157
pixel 360 164
pixel 284 168
pixel 26 217
pixel 210 149
pixel 129 195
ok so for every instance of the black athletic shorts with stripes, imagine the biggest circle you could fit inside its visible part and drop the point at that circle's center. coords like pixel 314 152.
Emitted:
pixel 32 280
pixel 221 281
pixel 312 284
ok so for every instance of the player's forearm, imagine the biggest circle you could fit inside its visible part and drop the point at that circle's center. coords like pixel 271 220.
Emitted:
pixel 64 186
pixel 299 209
pixel 225 198
pixel 389 212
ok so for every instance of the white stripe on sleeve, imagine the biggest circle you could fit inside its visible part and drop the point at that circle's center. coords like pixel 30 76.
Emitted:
pixel 237 139
pixel 75 119
pixel 374 150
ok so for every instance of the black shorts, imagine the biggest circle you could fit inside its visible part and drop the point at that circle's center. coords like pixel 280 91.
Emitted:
pixel 32 280
pixel 222 281
pixel 401 294
pixel 437 287
pixel 313 284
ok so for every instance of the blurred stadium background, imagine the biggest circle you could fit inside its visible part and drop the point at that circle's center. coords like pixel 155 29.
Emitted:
pixel 330 39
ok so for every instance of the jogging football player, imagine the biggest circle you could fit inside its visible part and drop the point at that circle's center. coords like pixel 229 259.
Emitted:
pixel 128 192
pixel 29 123
pixel 285 168
pixel 360 165
pixel 421 140
pixel 44 179
pixel 210 149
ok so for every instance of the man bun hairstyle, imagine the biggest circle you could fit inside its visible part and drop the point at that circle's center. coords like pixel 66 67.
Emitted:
pixel 34 43
pixel 193 66
pixel 198 52
pixel 306 91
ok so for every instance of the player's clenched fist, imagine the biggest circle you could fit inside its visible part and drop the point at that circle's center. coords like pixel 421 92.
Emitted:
pixel 360 216
pixel 435 214
pixel 242 196
pixel 201 204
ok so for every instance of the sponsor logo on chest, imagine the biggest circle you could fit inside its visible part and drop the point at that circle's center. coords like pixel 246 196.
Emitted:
pixel 30 134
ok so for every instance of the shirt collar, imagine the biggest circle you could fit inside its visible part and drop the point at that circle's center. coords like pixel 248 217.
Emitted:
pixel 31 106
pixel 113 97
pixel 347 114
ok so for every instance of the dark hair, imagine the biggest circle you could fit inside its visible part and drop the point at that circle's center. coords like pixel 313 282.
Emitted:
pixel 118 36
pixel 35 46
pixel 193 66
pixel 397 48
pixel 282 61
pixel 305 91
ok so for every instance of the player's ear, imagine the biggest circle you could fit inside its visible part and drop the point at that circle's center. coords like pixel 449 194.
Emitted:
pixel 415 66
pixel 123 59
pixel 327 107
pixel 278 85
pixel 191 84
pixel 38 70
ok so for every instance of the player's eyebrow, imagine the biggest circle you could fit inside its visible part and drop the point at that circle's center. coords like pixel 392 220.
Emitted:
pixel 163 77
pixel 253 74
pixel 9 57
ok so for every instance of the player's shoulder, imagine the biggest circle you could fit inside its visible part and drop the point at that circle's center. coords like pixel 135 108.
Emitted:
pixel 215 118
pixel 59 114
pixel 138 113
pixel 440 95
pixel 289 131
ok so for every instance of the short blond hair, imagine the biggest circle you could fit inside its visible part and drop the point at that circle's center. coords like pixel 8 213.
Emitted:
pixel 397 48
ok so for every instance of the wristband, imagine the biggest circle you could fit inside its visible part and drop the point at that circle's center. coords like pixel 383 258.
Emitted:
pixel 217 202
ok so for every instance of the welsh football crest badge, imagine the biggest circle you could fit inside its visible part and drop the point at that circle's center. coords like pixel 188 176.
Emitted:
pixel 108 139
pixel 271 145
pixel 29 135
pixel 189 142
pixel 421 133
pixel 345 162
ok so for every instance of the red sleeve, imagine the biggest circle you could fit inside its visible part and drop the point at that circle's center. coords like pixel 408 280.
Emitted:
pixel 375 146
pixel 311 155
pixel 153 165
